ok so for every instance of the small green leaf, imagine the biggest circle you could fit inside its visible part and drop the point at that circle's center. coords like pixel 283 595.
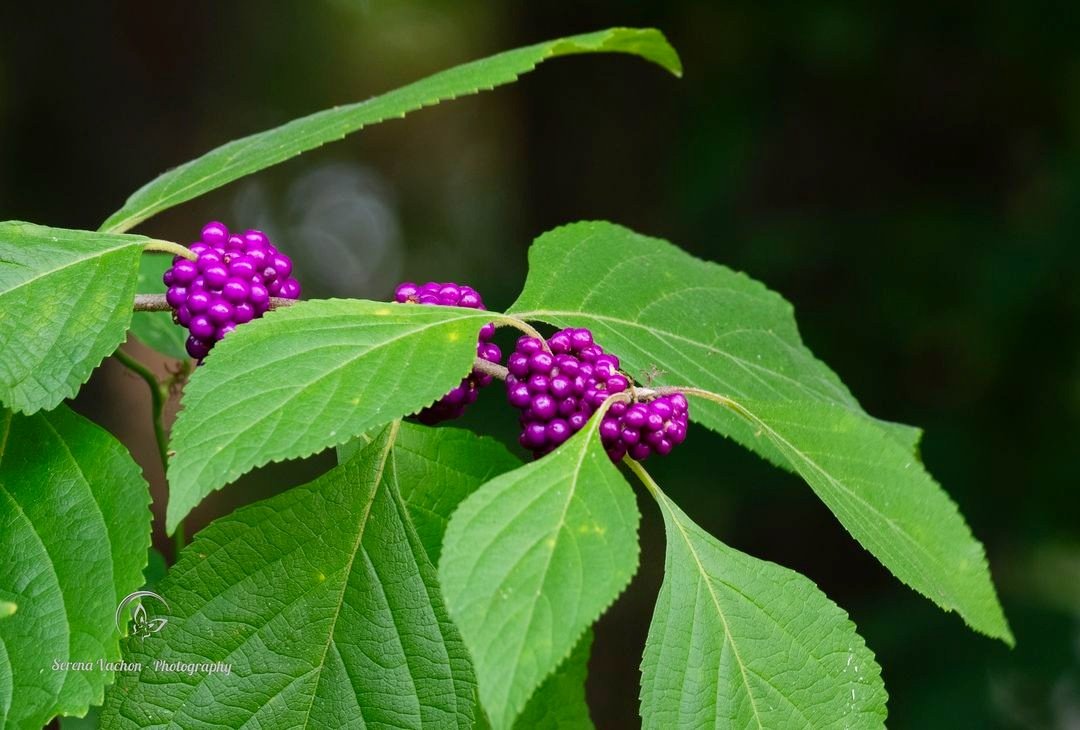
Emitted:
pixel 889 503
pixel 436 469
pixel 737 642
pixel 559 703
pixel 74 531
pixel 251 154
pixel 531 559
pixel 157 329
pixel 308 377
pixel 688 321
pixel 323 603
pixel 65 304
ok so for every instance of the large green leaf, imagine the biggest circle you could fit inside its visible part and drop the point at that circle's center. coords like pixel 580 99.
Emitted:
pixel 436 468
pixel 681 319
pixel 531 559
pixel 308 377
pixel 74 534
pixel 65 303
pixel 157 329
pixel 889 503
pixel 703 325
pixel 325 606
pixel 738 642
pixel 250 154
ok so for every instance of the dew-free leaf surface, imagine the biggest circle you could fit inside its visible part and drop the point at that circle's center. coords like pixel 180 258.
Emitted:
pixel 325 605
pixel 74 534
pixel 738 642
pixel 308 377
pixel 435 469
pixel 531 559
pixel 65 304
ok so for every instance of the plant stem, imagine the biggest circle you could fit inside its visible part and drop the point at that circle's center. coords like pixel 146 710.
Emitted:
pixel 170 247
pixel 159 396
pixel 645 478
pixel 522 325
pixel 157 303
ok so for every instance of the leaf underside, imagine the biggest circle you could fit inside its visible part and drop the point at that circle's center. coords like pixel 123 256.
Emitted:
pixel 530 560
pixel 74 534
pixel 705 326
pixel 65 304
pixel 738 642
pixel 308 377
pixel 241 157
pixel 326 606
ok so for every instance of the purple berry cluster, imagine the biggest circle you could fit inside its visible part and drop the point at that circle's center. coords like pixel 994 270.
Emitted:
pixel 453 404
pixel 644 429
pixel 229 284
pixel 558 388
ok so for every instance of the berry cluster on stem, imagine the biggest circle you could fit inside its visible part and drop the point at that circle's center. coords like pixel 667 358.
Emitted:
pixel 230 283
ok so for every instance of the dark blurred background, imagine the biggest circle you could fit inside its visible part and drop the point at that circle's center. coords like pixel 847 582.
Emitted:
pixel 906 174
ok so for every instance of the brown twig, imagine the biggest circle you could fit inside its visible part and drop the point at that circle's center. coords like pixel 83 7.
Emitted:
pixel 157 303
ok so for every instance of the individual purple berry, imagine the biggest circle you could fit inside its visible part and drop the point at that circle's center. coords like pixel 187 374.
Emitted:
pixel 448 294
pixel 227 285
pixel 290 289
pixel 176 296
pixel 214 234
pixel 184 272
pixel 201 327
pixel 198 348
pixel 236 290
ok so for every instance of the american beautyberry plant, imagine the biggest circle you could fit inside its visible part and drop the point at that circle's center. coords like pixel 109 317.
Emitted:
pixel 432 578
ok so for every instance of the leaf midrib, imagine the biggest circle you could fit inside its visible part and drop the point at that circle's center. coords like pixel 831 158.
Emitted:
pixel 390 438
pixel 74 262
pixel 716 603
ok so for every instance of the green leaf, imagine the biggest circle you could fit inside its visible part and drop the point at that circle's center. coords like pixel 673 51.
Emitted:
pixel 889 503
pixel 242 157
pixel 531 559
pixel 308 377
pixel 738 642
pixel 74 531
pixel 157 329
pixel 325 606
pixel 436 469
pixel 695 322
pixel 559 703
pixel 708 327
pixel 65 304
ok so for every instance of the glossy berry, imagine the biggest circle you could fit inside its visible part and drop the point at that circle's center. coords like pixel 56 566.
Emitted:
pixel 448 294
pixel 229 284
